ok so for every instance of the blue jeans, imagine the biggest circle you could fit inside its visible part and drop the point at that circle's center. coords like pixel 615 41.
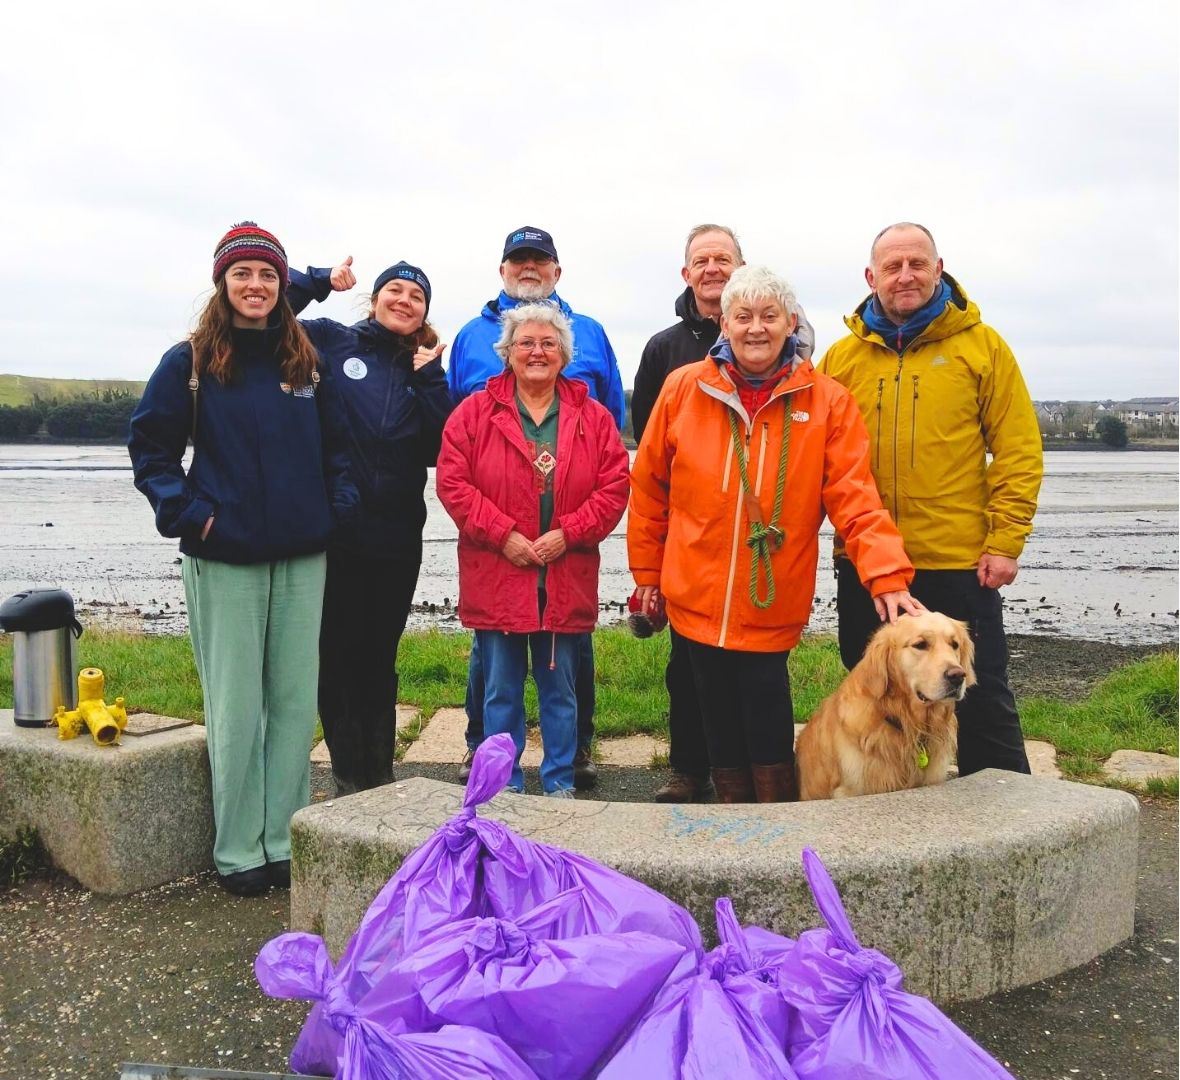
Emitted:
pixel 583 690
pixel 505 665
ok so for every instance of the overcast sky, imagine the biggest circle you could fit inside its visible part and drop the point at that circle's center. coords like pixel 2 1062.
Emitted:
pixel 1037 140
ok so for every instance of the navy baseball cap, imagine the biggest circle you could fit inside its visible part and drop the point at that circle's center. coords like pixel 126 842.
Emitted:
pixel 528 238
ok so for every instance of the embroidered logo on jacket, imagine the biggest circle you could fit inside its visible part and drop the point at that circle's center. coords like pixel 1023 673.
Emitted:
pixel 938 360
pixel 800 417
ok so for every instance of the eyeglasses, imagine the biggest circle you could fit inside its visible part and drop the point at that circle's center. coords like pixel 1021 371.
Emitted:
pixel 519 258
pixel 528 344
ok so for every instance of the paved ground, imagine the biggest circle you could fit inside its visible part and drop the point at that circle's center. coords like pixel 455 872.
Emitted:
pixel 166 975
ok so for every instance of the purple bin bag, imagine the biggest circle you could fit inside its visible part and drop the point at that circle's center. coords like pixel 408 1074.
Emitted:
pixel 473 867
pixel 850 1017
pixel 561 1004
pixel 298 966
pixel 752 960
pixel 727 1020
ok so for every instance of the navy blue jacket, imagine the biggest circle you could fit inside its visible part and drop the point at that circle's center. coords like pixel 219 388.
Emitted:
pixel 269 463
pixel 395 421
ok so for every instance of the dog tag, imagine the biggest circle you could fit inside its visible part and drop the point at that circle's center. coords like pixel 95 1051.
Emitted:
pixel 923 757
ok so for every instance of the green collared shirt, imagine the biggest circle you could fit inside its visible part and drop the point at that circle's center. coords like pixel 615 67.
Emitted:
pixel 542 442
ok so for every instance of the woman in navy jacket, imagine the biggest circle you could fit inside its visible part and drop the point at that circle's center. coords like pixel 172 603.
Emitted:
pixel 395 395
pixel 267 488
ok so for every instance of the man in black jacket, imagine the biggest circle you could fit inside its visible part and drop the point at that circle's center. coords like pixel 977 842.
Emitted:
pixel 711 255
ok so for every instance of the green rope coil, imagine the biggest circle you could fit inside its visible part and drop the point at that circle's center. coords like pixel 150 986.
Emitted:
pixel 763 536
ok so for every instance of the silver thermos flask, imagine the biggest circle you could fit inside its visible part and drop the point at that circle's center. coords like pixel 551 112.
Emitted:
pixel 43 629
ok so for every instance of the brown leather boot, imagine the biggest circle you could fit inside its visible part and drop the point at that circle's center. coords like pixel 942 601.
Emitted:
pixel 733 785
pixel 683 788
pixel 775 783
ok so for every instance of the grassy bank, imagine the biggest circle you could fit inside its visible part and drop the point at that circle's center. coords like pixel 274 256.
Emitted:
pixel 1134 708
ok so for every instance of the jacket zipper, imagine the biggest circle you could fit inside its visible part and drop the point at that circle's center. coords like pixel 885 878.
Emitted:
pixel 896 415
pixel 762 458
pixel 737 511
pixel 880 394
pixel 914 422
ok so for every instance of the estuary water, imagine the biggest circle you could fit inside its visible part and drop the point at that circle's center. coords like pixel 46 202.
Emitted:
pixel 1101 564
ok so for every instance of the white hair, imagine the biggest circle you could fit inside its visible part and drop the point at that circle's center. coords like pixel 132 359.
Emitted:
pixel 540 312
pixel 749 284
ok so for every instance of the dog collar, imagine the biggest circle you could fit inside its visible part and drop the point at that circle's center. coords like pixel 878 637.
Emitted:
pixel 921 756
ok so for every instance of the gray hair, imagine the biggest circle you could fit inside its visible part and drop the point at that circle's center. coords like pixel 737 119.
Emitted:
pixel 749 284
pixel 901 225
pixel 700 230
pixel 542 311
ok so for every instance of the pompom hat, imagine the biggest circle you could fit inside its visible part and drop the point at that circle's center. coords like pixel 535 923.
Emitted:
pixel 247 241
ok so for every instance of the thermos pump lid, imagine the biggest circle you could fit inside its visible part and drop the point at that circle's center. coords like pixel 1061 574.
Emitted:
pixel 38 609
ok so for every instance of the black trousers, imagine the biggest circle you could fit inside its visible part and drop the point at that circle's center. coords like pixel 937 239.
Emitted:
pixel 688 751
pixel 366 604
pixel 745 700
pixel 989 725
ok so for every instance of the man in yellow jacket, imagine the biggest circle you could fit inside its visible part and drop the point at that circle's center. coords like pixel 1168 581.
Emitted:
pixel 939 391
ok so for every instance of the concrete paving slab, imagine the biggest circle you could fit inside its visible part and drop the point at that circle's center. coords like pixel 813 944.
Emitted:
pixel 407 719
pixel 1139 766
pixel 973 886
pixel 1042 759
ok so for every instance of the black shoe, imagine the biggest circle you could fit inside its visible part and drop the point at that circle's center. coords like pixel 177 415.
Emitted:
pixel 585 771
pixel 279 873
pixel 465 766
pixel 246 882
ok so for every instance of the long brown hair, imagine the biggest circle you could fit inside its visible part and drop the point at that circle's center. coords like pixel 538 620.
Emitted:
pixel 213 347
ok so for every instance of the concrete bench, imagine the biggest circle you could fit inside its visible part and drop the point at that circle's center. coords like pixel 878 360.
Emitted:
pixel 116 819
pixel 972 887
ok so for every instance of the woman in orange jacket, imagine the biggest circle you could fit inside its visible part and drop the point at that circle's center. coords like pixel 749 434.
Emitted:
pixel 744 454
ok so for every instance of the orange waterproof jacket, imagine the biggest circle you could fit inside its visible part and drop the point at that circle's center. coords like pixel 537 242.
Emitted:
pixel 688 522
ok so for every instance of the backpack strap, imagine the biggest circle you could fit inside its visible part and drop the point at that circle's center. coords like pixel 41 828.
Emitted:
pixel 194 384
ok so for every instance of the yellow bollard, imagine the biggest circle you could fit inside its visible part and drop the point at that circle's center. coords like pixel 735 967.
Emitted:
pixel 106 722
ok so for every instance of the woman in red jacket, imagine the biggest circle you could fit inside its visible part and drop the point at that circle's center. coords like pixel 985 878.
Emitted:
pixel 534 473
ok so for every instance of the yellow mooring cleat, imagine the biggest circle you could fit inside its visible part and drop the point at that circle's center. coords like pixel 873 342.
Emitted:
pixel 106 722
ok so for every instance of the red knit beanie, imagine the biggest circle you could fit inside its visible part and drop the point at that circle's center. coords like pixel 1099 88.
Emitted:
pixel 247 241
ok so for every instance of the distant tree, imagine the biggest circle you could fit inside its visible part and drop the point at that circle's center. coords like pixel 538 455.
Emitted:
pixel 109 394
pixel 91 419
pixel 18 421
pixel 43 405
pixel 1111 430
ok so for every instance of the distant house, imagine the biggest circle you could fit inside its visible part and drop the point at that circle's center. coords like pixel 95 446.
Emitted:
pixel 1157 412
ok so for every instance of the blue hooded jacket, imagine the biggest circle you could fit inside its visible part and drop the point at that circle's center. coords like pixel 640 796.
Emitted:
pixel 474 361
pixel 269 461
pixel 395 419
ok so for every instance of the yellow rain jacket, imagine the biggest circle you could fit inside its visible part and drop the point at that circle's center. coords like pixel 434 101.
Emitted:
pixel 934 413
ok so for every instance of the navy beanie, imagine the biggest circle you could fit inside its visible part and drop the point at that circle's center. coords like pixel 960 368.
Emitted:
pixel 410 273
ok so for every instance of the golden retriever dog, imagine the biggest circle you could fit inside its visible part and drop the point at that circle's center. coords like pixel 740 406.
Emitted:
pixel 891 723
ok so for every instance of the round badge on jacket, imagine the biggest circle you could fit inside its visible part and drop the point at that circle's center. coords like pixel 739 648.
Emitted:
pixel 355 368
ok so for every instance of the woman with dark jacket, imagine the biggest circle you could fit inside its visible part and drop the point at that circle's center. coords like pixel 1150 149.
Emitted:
pixel 534 473
pixel 391 379
pixel 267 487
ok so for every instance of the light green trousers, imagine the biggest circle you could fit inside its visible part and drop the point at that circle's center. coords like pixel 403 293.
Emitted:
pixel 255 631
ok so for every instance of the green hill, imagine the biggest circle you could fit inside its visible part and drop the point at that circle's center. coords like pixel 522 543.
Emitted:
pixel 20 389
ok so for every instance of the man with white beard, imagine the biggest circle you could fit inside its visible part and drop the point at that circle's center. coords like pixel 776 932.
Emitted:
pixel 530 270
